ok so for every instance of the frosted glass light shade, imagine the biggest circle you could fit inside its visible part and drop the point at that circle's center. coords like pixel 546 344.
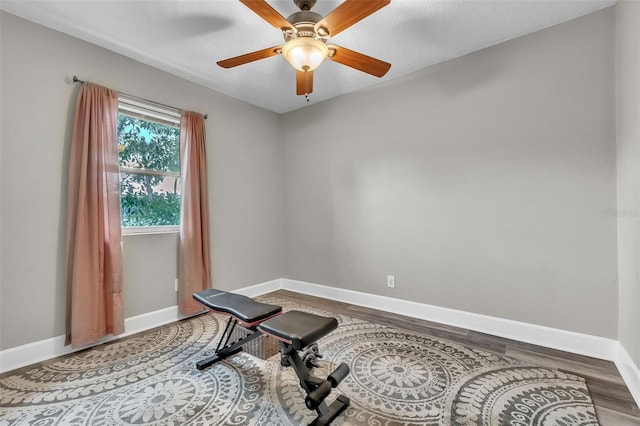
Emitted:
pixel 305 53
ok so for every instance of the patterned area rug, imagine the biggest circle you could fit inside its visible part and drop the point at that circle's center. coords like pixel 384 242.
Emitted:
pixel 397 377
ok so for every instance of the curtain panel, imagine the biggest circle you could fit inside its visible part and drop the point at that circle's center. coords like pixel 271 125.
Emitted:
pixel 195 253
pixel 94 250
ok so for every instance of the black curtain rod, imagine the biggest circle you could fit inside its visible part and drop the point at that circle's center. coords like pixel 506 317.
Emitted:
pixel 77 80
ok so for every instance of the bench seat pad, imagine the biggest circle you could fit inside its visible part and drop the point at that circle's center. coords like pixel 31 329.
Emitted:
pixel 299 328
pixel 239 306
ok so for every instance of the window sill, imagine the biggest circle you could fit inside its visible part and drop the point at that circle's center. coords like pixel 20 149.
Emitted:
pixel 146 230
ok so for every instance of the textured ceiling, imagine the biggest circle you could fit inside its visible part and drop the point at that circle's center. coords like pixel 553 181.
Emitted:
pixel 187 37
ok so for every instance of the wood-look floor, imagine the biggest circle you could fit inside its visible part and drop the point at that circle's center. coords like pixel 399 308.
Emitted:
pixel 613 401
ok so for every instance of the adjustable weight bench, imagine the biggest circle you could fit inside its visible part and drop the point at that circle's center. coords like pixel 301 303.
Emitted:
pixel 296 331
pixel 240 309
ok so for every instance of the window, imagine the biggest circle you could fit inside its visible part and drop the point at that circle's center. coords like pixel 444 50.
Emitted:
pixel 149 153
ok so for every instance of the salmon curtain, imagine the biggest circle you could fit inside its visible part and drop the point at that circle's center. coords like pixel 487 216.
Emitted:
pixel 94 251
pixel 195 252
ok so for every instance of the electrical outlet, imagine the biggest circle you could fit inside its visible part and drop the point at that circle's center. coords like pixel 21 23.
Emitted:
pixel 391 281
pixel 175 285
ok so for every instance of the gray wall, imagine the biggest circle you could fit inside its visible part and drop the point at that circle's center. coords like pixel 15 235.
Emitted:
pixel 628 136
pixel 37 109
pixel 483 183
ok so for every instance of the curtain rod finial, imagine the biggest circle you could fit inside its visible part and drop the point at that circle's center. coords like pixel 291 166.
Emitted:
pixel 206 116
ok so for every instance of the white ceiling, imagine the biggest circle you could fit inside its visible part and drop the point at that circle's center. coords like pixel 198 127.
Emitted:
pixel 187 37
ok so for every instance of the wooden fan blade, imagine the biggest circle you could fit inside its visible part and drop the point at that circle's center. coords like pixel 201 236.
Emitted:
pixel 348 13
pixel 250 57
pixel 304 82
pixel 268 13
pixel 359 61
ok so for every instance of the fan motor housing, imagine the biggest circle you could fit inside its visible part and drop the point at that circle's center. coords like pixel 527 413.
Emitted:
pixel 304 22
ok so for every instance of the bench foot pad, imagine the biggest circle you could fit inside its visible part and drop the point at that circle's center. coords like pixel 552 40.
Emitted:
pixel 335 409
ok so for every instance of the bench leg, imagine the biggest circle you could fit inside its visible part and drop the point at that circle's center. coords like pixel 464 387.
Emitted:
pixel 223 349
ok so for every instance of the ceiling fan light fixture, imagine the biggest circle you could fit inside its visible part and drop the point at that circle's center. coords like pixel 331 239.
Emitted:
pixel 305 53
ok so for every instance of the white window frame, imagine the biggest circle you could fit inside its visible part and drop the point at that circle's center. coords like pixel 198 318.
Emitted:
pixel 149 111
pixel 146 230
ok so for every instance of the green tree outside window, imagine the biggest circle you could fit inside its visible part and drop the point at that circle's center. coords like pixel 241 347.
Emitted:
pixel 149 155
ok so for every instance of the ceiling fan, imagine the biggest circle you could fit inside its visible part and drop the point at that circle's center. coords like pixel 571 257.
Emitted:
pixel 306 34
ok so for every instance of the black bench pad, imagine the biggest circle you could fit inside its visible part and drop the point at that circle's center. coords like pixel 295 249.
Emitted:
pixel 239 306
pixel 299 328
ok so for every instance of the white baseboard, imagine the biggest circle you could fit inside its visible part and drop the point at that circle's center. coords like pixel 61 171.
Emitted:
pixel 584 344
pixel 629 371
pixel 262 288
pixel 42 350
